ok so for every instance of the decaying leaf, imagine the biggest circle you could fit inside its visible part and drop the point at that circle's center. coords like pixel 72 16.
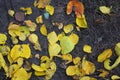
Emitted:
pixel 81 21
pixel 20 51
pixel 103 73
pixel 43 30
pixel 105 10
pixel 4 50
pixel 3 38
pixel 87 48
pixel 49 9
pixel 104 55
pixel 68 28
pixel 79 7
pixel 66 45
pixel 28 10
pixel 52 37
pixel 39 19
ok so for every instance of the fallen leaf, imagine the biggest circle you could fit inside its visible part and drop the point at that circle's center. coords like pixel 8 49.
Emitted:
pixel 76 60
pixel 43 30
pixel 28 10
pixel 49 9
pixel 104 55
pixel 103 73
pixel 66 45
pixel 42 3
pixel 105 10
pixel 117 49
pixel 87 48
pixel 74 38
pixel 39 19
pixel 11 12
pixel 81 21
pixel 3 38
pixel 52 37
pixel 71 70
pixel 68 28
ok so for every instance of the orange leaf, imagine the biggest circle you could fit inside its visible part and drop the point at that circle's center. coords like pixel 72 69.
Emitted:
pixel 79 8
pixel 69 7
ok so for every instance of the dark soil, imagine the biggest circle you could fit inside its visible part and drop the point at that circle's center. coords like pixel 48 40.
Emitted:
pixel 103 31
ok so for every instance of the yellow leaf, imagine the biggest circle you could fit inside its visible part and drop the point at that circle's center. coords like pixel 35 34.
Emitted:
pixel 44 58
pixel 66 45
pixel 20 51
pixel 39 19
pixel 33 38
pixel 41 3
pixel 61 35
pixel 74 38
pixel 115 77
pixel 43 30
pixel 71 70
pixel 117 49
pixel 81 21
pixel 67 57
pixel 54 49
pixel 3 38
pixel 49 9
pixel 87 78
pixel 22 37
pixel 76 60
pixel 105 10
pixel 68 28
pixel 20 74
pixel 11 12
pixel 52 37
pixel 5 50
pixel 104 55
pixel 37 68
pixel 13 26
pixel 103 73
pixel 88 67
pixel 40 73
pixel 28 10
pixel 87 49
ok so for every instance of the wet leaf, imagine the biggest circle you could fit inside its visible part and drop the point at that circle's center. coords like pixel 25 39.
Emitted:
pixel 104 55
pixel 20 51
pixel 81 21
pixel 105 10
pixel 68 28
pixel 74 38
pixel 43 30
pixel 11 12
pixel 66 45
pixel 20 74
pixel 54 49
pixel 49 9
pixel 39 19
pixel 52 37
pixel 3 38
pixel 87 48
pixel 28 10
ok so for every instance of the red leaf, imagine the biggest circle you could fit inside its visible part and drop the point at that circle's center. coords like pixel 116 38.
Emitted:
pixel 69 7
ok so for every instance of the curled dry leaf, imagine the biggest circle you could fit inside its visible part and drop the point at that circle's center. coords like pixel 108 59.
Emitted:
pixel 3 38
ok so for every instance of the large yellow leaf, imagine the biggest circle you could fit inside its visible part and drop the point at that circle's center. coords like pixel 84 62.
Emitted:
pixel 54 49
pixel 43 30
pixel 74 38
pixel 52 37
pixel 20 51
pixel 81 21
pixel 3 38
pixel 104 55
pixel 49 9
pixel 20 74
pixel 66 45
